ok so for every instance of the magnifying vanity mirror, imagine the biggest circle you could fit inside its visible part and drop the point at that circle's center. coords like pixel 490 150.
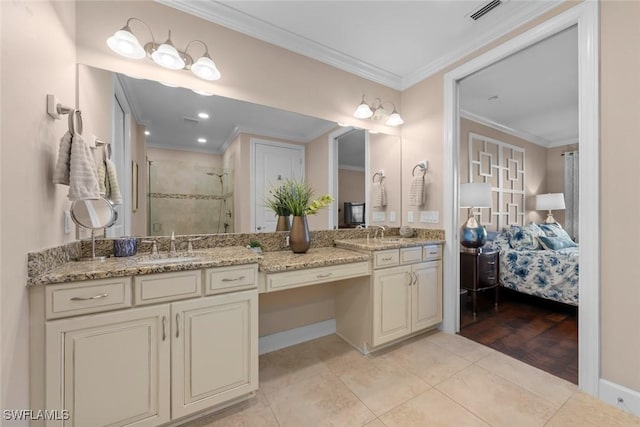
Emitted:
pixel 204 164
pixel 93 215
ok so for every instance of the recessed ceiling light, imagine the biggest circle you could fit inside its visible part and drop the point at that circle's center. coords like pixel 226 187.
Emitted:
pixel 201 92
pixel 202 140
pixel 493 98
pixel 146 132
pixel 203 115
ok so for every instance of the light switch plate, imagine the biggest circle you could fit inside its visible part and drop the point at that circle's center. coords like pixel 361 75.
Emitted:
pixel 410 216
pixel 431 217
pixel 392 216
pixel 379 216
pixel 67 222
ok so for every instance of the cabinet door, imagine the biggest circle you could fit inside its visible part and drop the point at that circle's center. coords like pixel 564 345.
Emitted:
pixel 391 304
pixel 110 369
pixel 427 295
pixel 214 354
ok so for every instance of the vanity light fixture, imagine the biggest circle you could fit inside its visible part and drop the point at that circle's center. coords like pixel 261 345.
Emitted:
pixel 202 140
pixel 376 111
pixel 125 43
pixel 146 132
pixel 201 92
pixel 203 115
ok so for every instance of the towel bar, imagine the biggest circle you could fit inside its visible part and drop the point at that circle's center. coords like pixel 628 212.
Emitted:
pixel 380 176
pixel 424 166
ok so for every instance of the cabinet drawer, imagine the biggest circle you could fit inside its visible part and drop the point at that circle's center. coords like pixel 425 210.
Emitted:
pixel 312 276
pixel 153 288
pixel 389 258
pixel 410 255
pixel 432 252
pixel 92 296
pixel 229 279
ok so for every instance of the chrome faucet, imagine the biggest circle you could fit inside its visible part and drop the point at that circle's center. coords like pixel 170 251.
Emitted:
pixel 172 247
pixel 382 229
pixel 154 246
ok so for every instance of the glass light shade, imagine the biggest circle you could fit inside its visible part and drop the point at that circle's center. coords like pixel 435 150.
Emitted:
pixel 551 201
pixel 124 43
pixel 394 119
pixel 475 195
pixel 363 111
pixel 167 56
pixel 201 92
pixel 206 69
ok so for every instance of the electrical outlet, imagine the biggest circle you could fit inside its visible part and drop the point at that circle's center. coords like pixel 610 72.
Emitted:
pixel 392 216
pixel 67 222
pixel 379 216
pixel 410 216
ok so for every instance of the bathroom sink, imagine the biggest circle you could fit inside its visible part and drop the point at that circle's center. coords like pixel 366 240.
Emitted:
pixel 171 260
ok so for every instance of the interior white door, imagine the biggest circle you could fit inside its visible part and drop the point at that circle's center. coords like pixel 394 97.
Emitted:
pixel 274 162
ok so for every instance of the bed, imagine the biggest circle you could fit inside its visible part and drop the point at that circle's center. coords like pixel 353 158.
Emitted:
pixel 530 266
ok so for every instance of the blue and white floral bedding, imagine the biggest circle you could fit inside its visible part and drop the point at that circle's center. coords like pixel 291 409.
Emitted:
pixel 550 274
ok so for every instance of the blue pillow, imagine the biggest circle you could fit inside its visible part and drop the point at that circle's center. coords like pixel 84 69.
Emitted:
pixel 524 238
pixel 555 243
pixel 553 230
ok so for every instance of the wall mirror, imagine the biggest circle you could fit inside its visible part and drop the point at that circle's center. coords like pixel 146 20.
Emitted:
pixel 206 162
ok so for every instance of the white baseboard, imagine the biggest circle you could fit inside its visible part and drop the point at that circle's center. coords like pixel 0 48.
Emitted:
pixel 273 342
pixel 619 396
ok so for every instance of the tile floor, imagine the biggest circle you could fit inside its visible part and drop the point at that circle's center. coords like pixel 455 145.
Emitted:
pixel 431 380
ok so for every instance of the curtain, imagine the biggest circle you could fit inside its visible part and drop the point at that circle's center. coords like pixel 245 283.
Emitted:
pixel 571 193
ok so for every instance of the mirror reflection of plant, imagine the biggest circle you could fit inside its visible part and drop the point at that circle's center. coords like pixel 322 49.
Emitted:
pixel 276 201
pixel 298 197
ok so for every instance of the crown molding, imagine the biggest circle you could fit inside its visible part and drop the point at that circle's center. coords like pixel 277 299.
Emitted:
pixel 351 168
pixel 229 17
pixel 569 141
pixel 191 149
pixel 534 139
pixel 278 135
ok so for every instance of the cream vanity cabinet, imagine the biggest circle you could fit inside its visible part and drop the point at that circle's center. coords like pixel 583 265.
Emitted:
pixel 163 354
pixel 405 294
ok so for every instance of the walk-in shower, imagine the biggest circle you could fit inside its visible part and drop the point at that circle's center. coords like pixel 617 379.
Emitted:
pixel 189 198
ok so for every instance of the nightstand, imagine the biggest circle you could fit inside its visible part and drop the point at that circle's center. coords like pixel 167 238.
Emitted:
pixel 479 272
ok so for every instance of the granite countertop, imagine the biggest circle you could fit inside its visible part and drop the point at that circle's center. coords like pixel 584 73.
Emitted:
pixel 274 262
pixel 147 264
pixel 393 242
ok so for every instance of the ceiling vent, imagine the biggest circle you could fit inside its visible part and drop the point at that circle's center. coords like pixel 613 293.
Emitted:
pixel 484 9
pixel 191 121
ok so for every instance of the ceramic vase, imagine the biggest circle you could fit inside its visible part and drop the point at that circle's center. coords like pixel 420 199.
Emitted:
pixel 283 223
pixel 299 239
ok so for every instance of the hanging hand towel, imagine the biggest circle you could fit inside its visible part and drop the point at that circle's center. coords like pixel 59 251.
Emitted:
pixel 111 183
pixel 102 177
pixel 380 195
pixel 416 192
pixel 83 177
pixel 61 172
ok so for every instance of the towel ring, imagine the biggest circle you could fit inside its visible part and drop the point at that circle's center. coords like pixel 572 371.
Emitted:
pixel 422 167
pixel 380 176
pixel 72 119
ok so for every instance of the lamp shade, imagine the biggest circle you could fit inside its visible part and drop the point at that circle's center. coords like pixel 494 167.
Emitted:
pixel 394 119
pixel 124 43
pixel 550 201
pixel 205 68
pixel 167 56
pixel 475 195
pixel 363 111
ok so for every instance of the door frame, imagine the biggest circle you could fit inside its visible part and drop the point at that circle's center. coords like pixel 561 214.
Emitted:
pixel 119 97
pixel 252 171
pixel 585 16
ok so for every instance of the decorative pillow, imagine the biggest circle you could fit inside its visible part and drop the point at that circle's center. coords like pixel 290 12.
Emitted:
pixel 553 230
pixel 524 238
pixel 555 243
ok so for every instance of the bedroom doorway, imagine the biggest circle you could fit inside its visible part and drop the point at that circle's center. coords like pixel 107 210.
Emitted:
pixel 518 122
pixel 585 16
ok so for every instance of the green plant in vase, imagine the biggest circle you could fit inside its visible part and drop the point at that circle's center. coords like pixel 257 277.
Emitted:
pixel 276 201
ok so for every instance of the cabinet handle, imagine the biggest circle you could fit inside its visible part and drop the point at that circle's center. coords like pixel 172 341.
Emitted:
pixel 164 328
pixel 410 277
pixel 177 325
pixel 233 280
pixel 415 278
pixel 90 298
pixel 323 276
pixel 387 258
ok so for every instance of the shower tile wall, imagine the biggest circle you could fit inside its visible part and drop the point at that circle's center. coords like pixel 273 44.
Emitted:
pixel 189 198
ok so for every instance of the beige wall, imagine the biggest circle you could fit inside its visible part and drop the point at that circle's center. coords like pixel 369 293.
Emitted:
pixel 38 57
pixel 350 189
pixel 139 155
pixel 384 154
pixel 619 198
pixel 316 171
pixel 535 164
pixel 555 174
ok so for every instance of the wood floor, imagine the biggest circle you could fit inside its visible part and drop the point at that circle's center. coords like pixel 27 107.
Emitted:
pixel 540 333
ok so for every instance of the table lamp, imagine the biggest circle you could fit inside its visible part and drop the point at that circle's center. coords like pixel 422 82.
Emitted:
pixel 550 202
pixel 474 195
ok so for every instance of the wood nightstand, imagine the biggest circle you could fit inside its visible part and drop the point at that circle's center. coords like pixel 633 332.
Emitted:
pixel 479 272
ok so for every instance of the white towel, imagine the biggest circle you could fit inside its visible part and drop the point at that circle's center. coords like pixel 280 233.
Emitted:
pixel 61 172
pixel 83 177
pixel 102 177
pixel 380 195
pixel 111 183
pixel 416 192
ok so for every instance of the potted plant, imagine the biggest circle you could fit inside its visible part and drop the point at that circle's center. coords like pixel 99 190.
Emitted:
pixel 276 202
pixel 297 198
pixel 255 246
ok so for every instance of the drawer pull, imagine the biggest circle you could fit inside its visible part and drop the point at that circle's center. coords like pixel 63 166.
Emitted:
pixel 324 276
pixel 387 258
pixel 164 328
pixel 491 263
pixel 233 280
pixel 90 298
pixel 433 252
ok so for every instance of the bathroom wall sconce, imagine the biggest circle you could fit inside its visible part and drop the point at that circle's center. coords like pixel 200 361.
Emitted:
pixel 125 43
pixel 376 111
